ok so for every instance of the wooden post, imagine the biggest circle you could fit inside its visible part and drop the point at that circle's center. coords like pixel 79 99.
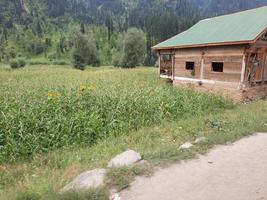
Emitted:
pixel 173 66
pixel 202 67
pixel 243 71
pixel 159 63
pixel 263 67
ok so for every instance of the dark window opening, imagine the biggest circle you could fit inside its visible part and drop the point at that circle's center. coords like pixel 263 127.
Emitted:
pixel 190 65
pixel 217 66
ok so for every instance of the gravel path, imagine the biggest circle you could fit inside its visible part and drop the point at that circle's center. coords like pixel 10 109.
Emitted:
pixel 232 172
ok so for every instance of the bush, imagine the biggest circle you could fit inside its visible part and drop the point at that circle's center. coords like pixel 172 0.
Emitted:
pixel 52 56
pixel 84 51
pixel 134 49
pixel 117 59
pixel 14 64
pixel 17 63
pixel 22 62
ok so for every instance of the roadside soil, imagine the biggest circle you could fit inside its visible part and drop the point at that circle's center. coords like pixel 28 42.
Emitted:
pixel 232 172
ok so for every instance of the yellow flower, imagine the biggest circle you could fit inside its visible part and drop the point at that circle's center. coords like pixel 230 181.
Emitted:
pixel 90 87
pixel 82 87
pixel 52 95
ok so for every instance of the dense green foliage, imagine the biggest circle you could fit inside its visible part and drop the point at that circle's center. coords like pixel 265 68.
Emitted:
pixel 84 51
pixel 134 49
pixel 219 7
pixel 43 28
pixel 17 63
pixel 39 111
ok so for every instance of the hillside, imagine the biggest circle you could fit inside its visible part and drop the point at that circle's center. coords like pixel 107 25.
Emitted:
pixel 42 28
pixel 218 7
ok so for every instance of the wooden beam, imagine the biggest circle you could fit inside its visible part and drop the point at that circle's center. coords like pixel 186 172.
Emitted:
pixel 173 67
pixel 159 64
pixel 243 70
pixel 264 66
pixel 202 68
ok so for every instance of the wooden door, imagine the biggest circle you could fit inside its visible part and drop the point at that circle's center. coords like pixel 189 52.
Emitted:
pixel 259 70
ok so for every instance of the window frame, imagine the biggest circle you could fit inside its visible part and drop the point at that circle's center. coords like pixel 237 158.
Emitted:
pixel 190 62
pixel 217 62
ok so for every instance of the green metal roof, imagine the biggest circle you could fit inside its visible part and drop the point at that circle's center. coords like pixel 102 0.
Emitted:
pixel 243 26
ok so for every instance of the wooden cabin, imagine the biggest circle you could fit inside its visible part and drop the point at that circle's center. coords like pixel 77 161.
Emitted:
pixel 225 54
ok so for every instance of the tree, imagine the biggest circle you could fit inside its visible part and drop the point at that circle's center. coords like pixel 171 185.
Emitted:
pixel 134 48
pixel 2 47
pixel 84 51
pixel 82 28
pixel 109 25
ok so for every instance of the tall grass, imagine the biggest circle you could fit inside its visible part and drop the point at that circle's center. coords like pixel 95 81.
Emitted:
pixel 42 109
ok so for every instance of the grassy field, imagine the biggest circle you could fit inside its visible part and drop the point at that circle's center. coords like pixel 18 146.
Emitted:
pixel 56 122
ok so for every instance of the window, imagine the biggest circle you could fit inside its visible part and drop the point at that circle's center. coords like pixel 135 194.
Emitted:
pixel 217 66
pixel 190 65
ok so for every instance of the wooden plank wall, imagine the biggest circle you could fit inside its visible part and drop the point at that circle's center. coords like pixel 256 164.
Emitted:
pixel 231 69
pixel 231 56
pixel 180 70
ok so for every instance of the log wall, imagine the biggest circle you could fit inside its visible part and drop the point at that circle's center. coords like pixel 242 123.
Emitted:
pixel 232 58
pixel 233 82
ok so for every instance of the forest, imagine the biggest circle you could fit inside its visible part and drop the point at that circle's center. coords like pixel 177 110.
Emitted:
pixel 42 31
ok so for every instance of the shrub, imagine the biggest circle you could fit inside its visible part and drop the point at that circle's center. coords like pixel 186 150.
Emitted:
pixel 17 63
pixel 12 53
pixel 84 51
pixel 52 56
pixel 134 49
pixel 117 59
pixel 21 62
pixel 14 64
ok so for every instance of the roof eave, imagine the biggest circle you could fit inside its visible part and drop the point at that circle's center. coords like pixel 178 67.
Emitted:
pixel 204 45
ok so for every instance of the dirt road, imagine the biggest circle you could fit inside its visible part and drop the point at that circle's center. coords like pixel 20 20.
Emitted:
pixel 232 172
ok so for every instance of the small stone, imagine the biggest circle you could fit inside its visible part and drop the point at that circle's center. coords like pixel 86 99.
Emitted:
pixel 265 124
pixel 200 140
pixel 87 180
pixel 115 197
pixel 125 159
pixel 186 145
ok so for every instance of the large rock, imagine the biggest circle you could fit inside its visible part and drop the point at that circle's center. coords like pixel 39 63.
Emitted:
pixel 87 180
pixel 125 159
pixel 186 145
